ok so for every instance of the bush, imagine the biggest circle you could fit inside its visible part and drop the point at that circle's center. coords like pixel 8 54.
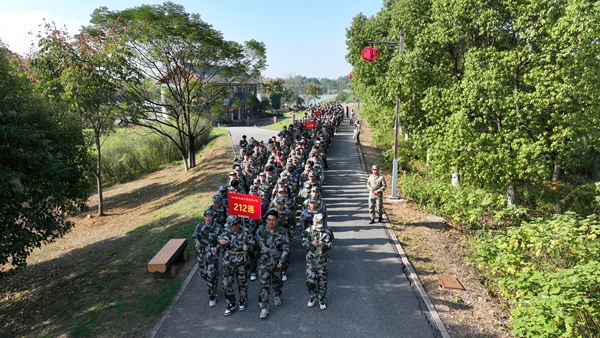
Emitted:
pixel 126 155
pixel 475 209
pixel 549 270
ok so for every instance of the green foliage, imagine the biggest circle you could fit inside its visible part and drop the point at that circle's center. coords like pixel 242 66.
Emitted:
pixel 344 96
pixel 189 64
pixel 549 270
pixel 128 154
pixel 472 208
pixel 502 91
pixel 312 92
pixel 42 171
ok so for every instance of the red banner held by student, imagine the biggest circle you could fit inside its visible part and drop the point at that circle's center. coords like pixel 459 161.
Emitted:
pixel 244 205
pixel 310 125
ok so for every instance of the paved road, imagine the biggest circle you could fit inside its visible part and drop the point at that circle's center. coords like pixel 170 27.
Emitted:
pixel 369 295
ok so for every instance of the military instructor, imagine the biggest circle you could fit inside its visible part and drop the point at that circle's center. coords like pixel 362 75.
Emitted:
pixel 376 185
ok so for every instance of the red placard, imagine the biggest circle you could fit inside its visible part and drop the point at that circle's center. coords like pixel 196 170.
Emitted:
pixel 310 125
pixel 318 113
pixel 243 205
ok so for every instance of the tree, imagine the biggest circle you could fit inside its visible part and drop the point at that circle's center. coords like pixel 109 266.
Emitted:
pixel 80 73
pixel 43 166
pixel 494 88
pixel 190 63
pixel 312 92
pixel 275 99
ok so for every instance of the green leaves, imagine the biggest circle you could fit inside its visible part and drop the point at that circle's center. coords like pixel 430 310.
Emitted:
pixel 42 171
pixel 503 90
pixel 549 270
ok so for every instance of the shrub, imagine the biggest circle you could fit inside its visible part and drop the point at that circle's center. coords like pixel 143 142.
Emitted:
pixel 549 271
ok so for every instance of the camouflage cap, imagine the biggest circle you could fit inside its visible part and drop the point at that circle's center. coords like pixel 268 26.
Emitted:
pixel 315 188
pixel 209 212
pixel 217 198
pixel 280 200
pixel 253 188
pixel 312 200
pixel 262 174
pixel 311 174
pixel 222 188
pixel 232 220
pixel 232 173
pixel 282 190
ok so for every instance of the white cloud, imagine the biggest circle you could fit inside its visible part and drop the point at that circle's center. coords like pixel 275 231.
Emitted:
pixel 15 28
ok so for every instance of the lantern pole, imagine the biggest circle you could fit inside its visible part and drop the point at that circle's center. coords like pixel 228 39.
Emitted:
pixel 397 125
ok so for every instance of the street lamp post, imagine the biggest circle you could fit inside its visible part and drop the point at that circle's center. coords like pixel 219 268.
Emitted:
pixel 400 46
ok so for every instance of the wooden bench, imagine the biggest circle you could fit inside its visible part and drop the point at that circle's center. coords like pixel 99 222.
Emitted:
pixel 163 261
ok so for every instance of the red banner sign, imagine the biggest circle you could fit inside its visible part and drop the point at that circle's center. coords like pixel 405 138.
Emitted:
pixel 318 113
pixel 244 205
pixel 310 125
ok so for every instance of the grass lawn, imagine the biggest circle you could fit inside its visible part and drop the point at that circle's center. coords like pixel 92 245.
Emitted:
pixel 93 282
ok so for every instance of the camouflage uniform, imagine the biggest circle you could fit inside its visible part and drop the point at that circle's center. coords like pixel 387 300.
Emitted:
pixel 235 260
pixel 317 259
pixel 220 213
pixel 274 249
pixel 205 239
pixel 376 183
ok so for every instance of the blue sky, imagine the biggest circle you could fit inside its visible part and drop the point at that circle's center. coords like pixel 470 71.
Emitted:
pixel 303 37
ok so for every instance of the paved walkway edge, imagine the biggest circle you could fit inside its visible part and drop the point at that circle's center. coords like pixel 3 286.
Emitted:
pixel 167 311
pixel 412 275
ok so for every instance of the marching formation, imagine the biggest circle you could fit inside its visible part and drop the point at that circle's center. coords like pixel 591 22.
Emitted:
pixel 287 173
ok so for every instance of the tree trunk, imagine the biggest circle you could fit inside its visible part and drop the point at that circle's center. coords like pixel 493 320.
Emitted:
pixel 192 151
pixel 455 178
pixel 557 172
pixel 98 174
pixel 511 195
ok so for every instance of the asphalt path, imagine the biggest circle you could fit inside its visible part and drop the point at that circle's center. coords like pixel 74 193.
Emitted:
pixel 368 295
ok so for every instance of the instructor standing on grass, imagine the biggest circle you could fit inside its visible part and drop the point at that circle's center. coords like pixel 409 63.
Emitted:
pixel 376 185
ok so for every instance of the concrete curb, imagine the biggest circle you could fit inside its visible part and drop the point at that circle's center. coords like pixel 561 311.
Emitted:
pixel 167 311
pixel 410 271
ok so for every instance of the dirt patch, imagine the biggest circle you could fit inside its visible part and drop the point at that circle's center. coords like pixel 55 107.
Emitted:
pixel 435 247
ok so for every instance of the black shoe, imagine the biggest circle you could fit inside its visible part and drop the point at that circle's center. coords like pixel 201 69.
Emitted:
pixel 242 306
pixel 372 221
pixel 230 309
pixel 380 220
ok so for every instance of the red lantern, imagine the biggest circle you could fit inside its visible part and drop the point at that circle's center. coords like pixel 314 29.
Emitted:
pixel 350 76
pixel 370 54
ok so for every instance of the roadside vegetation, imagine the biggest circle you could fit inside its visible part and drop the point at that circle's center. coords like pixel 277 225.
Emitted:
pixel 497 142
pixel 93 282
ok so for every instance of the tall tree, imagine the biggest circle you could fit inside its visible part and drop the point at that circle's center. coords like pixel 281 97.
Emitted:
pixel 512 84
pixel 43 167
pixel 312 92
pixel 80 73
pixel 192 67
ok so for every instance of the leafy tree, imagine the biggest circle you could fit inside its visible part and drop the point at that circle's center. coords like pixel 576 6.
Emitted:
pixel 275 99
pixel 42 172
pixel 189 62
pixel 312 91
pixel 80 73
pixel 503 91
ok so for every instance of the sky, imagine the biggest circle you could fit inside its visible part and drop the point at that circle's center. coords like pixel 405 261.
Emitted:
pixel 303 37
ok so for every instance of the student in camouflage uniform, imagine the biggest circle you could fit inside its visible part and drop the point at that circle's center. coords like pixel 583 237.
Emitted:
pixel 286 220
pixel 219 210
pixel 207 246
pixel 376 185
pixel 274 249
pixel 306 217
pixel 317 239
pixel 236 241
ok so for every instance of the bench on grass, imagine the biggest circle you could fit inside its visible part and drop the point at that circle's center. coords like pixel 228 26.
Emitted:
pixel 172 252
